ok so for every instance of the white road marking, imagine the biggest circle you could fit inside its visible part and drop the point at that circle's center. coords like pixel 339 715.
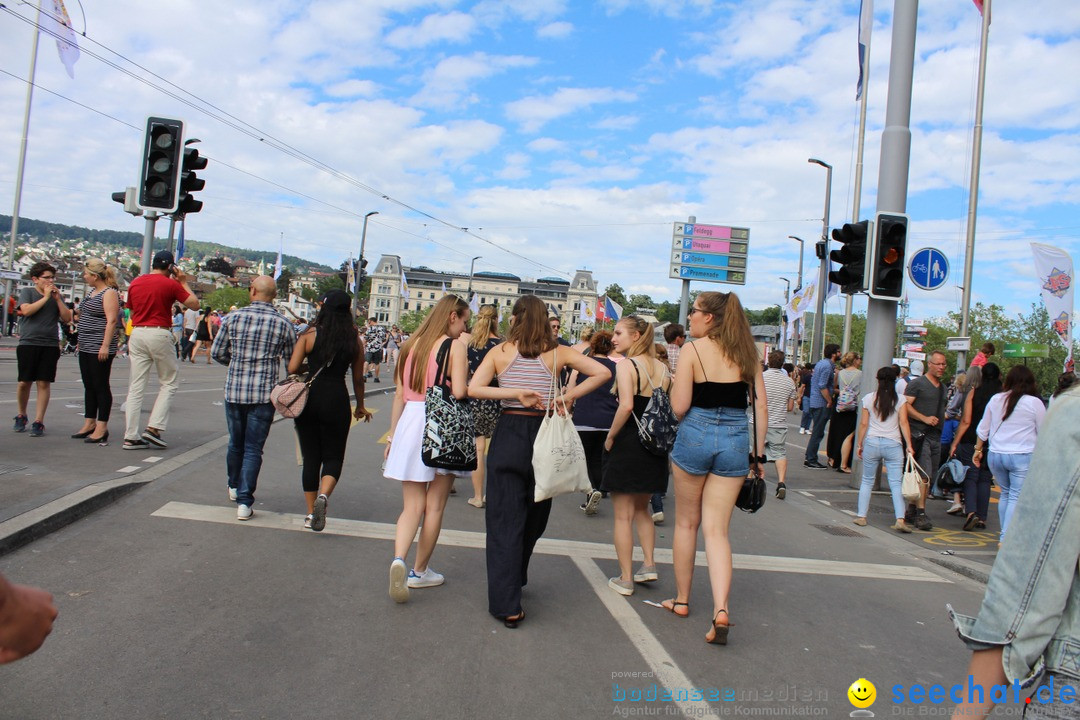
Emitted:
pixel 129 469
pixel 665 671
pixel 152 459
pixel 546 546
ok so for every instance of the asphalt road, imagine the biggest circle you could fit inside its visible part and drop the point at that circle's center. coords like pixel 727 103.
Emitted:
pixel 170 608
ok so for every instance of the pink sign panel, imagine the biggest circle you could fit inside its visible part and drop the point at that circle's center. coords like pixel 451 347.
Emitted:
pixel 718 232
pixel 716 246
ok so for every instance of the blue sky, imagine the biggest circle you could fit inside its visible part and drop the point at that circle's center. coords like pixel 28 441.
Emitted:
pixel 574 134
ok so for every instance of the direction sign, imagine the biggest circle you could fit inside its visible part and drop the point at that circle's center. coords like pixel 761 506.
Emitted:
pixel 914 329
pixel 10 275
pixel 915 355
pixel 914 347
pixel 684 272
pixel 928 269
pixel 1026 350
pixel 912 321
pixel 713 253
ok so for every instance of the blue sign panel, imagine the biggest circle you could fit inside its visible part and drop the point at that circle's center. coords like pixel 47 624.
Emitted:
pixel 928 269
pixel 715 275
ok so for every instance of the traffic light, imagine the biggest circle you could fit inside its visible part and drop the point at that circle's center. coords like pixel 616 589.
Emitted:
pixel 854 239
pixel 159 178
pixel 886 281
pixel 190 182
pixel 361 274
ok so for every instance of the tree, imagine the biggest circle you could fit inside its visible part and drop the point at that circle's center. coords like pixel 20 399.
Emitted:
pixel 224 298
pixel 219 265
pixel 408 322
pixel 135 269
pixel 667 312
pixel 283 281
pixel 326 284
pixel 639 301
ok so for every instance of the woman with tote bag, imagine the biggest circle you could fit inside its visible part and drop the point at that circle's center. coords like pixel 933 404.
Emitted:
pixel 524 365
pixel 882 424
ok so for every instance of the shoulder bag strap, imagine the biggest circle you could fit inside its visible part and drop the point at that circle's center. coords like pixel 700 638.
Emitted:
pixel 553 388
pixel 441 361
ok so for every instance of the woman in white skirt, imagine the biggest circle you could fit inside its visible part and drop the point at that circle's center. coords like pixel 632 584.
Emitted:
pixel 424 489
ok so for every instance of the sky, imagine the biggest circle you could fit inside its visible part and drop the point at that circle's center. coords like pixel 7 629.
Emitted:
pixel 562 135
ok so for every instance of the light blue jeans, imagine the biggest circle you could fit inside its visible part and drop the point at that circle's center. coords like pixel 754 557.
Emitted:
pixel 875 450
pixel 1009 473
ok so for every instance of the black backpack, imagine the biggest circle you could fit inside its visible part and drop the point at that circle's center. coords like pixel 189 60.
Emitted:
pixel 657 425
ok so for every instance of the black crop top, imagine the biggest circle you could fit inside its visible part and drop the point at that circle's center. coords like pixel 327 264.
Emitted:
pixel 718 394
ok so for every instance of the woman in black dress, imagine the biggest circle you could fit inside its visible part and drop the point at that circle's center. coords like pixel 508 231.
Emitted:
pixel 632 474
pixel 204 335
pixel 331 346
pixel 484 336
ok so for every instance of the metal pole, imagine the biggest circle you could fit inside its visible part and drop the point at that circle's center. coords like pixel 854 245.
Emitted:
pixel 468 293
pixel 817 343
pixel 799 322
pixel 148 242
pixel 973 197
pixel 8 288
pixel 684 297
pixel 363 240
pixel 856 204
pixel 172 229
pixel 893 171
pixel 787 299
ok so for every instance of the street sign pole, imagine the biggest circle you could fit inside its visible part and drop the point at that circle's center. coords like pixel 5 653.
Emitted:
pixel 684 298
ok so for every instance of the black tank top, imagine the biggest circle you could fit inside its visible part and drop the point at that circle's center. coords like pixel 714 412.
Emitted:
pixel 718 394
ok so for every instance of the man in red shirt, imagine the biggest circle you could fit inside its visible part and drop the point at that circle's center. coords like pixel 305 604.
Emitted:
pixel 152 344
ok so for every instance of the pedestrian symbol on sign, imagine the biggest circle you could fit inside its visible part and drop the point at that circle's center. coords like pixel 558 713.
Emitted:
pixel 929 268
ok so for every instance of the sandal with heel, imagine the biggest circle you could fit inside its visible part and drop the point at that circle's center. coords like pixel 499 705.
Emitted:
pixel 671 608
pixel 720 630
pixel 512 621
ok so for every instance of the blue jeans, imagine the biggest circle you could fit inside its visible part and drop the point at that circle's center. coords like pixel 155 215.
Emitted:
pixel 1009 473
pixel 804 422
pixel 875 450
pixel 820 416
pixel 248 427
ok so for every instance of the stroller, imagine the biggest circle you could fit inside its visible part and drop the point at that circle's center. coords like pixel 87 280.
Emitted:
pixel 71 339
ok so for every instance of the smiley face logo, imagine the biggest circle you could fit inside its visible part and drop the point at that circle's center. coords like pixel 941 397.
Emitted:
pixel 862 693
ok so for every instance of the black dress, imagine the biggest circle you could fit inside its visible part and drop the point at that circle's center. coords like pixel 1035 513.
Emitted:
pixel 323 426
pixel 628 466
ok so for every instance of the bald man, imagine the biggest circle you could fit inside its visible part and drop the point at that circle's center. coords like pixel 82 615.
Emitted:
pixel 253 342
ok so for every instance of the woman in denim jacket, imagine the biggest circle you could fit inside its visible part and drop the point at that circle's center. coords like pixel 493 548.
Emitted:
pixel 1029 623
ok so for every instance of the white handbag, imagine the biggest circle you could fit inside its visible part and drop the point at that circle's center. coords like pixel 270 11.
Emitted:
pixel 912 482
pixel 558 459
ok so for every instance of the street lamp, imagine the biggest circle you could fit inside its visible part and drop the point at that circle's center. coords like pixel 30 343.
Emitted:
pixel 363 239
pixel 468 293
pixel 817 344
pixel 798 287
pixel 787 299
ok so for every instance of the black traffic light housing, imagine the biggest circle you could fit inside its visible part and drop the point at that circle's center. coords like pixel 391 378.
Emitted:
pixel 855 240
pixel 886 281
pixel 190 182
pixel 159 175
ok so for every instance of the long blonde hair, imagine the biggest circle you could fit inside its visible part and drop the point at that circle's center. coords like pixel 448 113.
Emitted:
pixel 731 332
pixel 485 325
pixel 420 345
pixel 107 273
pixel 644 345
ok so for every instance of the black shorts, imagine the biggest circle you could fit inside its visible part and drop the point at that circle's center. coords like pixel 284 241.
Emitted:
pixel 37 362
pixel 375 356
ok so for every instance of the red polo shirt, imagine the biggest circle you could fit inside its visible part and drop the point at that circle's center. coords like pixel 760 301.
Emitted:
pixel 151 298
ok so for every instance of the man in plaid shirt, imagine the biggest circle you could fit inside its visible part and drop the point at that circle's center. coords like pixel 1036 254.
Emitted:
pixel 253 341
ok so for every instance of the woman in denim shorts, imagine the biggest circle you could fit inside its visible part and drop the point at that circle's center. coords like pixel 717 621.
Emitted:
pixel 710 394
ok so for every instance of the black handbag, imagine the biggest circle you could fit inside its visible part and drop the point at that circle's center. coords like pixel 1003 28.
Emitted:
pixel 752 495
pixel 449 441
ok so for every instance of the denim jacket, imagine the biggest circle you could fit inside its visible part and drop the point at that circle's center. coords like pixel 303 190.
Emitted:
pixel 1032 602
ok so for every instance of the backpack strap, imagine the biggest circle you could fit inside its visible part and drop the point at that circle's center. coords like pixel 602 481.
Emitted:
pixel 441 361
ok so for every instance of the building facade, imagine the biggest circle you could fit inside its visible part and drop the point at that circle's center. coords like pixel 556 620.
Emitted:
pixel 426 287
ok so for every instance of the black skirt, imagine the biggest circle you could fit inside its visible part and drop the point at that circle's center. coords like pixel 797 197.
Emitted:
pixel 630 468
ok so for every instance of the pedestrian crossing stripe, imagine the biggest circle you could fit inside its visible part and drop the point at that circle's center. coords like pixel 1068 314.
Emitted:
pixel 546 546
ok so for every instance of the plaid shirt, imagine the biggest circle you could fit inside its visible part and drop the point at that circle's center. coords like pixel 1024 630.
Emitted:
pixel 673 351
pixel 252 342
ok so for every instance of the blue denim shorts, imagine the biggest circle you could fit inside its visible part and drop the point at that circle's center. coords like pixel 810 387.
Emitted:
pixel 713 440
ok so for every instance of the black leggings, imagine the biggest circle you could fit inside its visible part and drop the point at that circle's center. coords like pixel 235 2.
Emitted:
pixel 95 377
pixel 323 430
pixel 593 443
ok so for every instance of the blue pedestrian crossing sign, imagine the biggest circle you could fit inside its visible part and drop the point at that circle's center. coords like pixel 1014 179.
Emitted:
pixel 928 269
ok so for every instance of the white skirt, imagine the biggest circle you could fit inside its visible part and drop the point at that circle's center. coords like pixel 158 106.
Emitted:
pixel 404 462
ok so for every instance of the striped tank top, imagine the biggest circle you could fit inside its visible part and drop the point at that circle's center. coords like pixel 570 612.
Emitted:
pixel 525 374
pixel 92 324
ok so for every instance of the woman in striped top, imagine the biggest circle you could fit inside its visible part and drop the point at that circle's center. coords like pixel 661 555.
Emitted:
pixel 524 365
pixel 98 318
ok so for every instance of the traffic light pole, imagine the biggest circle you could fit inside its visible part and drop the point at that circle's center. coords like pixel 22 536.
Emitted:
pixel 893 172
pixel 148 242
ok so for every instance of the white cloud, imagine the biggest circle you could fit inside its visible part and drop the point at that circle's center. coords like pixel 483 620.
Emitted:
pixel 446 85
pixel 352 88
pixel 536 111
pixel 555 30
pixel 547 145
pixel 454 27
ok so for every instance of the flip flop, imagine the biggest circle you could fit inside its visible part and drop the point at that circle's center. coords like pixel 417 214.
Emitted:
pixel 674 604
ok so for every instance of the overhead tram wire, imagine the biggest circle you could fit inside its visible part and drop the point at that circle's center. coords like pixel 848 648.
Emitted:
pixel 224 117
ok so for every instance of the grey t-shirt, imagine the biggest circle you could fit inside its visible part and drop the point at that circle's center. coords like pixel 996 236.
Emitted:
pixel 927 400
pixel 43 327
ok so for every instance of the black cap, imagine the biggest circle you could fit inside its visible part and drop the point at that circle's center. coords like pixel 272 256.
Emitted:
pixel 336 300
pixel 163 260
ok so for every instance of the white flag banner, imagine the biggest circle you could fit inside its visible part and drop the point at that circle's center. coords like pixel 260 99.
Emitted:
pixel 474 304
pixel 404 285
pixel 801 301
pixel 58 24
pixel 1054 268
pixel 585 313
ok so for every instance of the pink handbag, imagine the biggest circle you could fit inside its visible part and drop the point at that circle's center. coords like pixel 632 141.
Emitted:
pixel 290 395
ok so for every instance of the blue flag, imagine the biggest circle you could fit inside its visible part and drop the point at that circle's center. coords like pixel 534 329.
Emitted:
pixel 180 242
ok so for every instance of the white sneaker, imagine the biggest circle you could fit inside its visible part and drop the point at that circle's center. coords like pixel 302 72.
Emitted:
pixel 307 521
pixel 243 512
pixel 426 579
pixel 399 590
pixel 232 494
pixel 658 517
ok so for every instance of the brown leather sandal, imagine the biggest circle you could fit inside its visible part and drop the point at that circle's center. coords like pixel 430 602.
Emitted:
pixel 675 604
pixel 720 630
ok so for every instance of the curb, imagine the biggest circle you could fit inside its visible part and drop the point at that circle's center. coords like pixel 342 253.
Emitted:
pixel 41 521
pixel 961 568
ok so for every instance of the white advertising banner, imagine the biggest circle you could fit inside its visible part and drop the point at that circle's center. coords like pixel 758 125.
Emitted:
pixel 1054 268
